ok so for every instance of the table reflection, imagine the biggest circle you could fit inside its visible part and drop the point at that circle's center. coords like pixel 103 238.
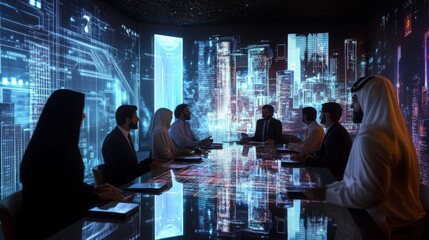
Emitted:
pixel 230 195
pixel 169 211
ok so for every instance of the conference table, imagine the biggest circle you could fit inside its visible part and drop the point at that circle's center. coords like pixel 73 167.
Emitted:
pixel 240 191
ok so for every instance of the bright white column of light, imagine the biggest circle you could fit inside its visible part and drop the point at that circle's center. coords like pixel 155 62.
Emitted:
pixel 168 79
pixel 169 220
pixel 293 221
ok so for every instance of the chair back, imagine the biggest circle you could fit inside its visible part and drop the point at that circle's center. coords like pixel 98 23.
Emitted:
pixel 98 172
pixel 10 208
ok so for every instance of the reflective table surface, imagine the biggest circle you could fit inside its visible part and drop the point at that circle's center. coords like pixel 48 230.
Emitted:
pixel 238 192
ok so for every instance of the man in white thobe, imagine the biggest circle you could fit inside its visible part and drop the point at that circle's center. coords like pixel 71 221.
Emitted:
pixel 382 173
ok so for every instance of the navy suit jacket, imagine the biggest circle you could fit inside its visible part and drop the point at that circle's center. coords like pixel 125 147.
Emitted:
pixel 121 161
pixel 335 151
pixel 274 130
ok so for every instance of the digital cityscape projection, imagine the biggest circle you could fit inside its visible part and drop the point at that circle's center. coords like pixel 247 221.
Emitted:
pixel 46 45
pixel 232 82
pixel 78 47
pixel 89 47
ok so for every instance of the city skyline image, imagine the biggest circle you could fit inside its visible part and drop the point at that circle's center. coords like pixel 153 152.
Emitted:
pixel 225 77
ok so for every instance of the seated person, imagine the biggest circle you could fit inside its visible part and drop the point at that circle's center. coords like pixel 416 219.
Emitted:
pixel 336 143
pixel 382 173
pixel 162 147
pixel 118 150
pixel 268 129
pixel 181 132
pixel 52 171
pixel 313 136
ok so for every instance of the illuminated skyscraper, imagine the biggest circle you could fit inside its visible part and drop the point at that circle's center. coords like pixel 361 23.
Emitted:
pixel 308 59
pixel 216 85
pixel 331 80
pixel 206 69
pixel 258 70
pixel 204 53
pixel 40 80
pixel 10 150
pixel 284 85
pixel 14 112
pixel 350 72
pixel 258 65
pixel 316 57
pixel 295 47
pixel 222 90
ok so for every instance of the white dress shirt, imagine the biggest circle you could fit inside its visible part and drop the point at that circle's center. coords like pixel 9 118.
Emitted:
pixel 182 135
pixel 312 142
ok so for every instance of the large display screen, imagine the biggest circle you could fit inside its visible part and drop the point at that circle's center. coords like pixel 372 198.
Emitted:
pixel 88 46
pixel 232 81
pixel 47 45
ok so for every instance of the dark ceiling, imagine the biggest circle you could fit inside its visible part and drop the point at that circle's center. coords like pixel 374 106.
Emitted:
pixel 221 12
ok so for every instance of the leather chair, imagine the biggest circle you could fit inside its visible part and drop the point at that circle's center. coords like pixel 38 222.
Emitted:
pixel 10 208
pixel 98 172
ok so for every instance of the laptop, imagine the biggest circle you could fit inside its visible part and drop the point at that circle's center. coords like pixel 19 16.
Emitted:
pixel 113 210
pixel 285 149
pixel 194 158
pixel 213 146
pixel 286 160
pixel 148 187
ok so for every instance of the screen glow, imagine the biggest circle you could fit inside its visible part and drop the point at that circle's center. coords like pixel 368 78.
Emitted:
pixel 168 72
pixel 89 47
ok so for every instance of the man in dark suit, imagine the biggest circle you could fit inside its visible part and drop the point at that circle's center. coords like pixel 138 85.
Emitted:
pixel 336 144
pixel 118 150
pixel 268 129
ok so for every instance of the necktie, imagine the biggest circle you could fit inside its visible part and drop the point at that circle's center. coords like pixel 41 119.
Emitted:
pixel 131 143
pixel 132 147
pixel 265 135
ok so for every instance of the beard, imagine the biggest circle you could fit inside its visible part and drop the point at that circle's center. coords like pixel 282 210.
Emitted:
pixel 187 117
pixel 323 120
pixel 134 126
pixel 357 116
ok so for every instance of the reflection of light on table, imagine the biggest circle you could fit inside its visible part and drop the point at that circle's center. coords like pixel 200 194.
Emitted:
pixel 258 201
pixel 223 212
pixel 317 226
pixel 293 220
pixel 296 176
pixel 97 230
pixel 169 211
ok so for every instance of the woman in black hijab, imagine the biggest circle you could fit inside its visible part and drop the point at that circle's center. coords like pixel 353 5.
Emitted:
pixel 52 170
